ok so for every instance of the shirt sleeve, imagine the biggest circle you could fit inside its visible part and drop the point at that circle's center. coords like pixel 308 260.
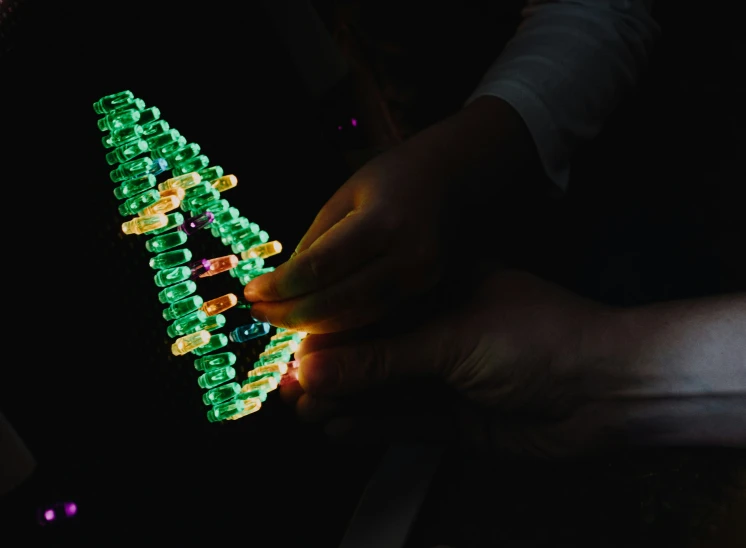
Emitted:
pixel 567 67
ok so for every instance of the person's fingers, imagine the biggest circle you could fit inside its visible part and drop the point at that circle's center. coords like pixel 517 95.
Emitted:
pixel 357 300
pixel 350 243
pixel 345 370
pixel 333 211
pixel 290 392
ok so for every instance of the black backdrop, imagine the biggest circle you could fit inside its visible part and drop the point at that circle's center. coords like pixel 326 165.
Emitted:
pixel 654 213
pixel 115 421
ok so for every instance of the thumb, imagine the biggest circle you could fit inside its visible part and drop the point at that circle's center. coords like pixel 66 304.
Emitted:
pixel 351 368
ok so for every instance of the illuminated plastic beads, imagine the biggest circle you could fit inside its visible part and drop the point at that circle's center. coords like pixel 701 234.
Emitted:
pixel 156 172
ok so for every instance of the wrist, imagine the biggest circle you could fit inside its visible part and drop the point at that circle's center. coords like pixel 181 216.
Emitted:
pixel 668 374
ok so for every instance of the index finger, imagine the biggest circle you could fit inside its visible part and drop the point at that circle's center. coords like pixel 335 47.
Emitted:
pixel 343 249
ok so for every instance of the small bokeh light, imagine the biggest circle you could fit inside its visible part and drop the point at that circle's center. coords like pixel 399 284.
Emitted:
pixel 57 512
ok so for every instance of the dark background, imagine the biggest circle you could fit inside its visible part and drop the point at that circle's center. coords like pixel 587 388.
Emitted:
pixel 116 422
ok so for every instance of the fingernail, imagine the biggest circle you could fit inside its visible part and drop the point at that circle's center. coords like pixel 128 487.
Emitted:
pixel 249 293
pixel 258 315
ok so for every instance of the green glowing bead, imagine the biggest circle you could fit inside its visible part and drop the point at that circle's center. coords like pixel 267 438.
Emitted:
pixel 279 356
pixel 183 307
pixel 202 208
pixel 134 168
pixel 149 115
pixel 165 242
pixel 235 225
pixel 122 136
pixel 253 378
pixel 217 342
pixel 112 102
pixel 200 189
pixel 119 119
pixel 158 140
pixel 183 154
pixel 145 199
pixel 225 217
pixel 225 410
pixel 292 337
pixel 154 128
pixel 219 394
pixel 232 236
pixel 216 376
pixel 257 393
pixel 212 323
pixel 195 164
pixel 126 152
pixel 197 203
pixel 187 324
pixel 174 219
pixel 242 245
pixel 172 276
pixel 243 279
pixel 212 361
pixel 170 259
pixel 178 291
pixel 169 147
pixel 246 266
pixel 209 174
pixel 218 207
pixel 132 187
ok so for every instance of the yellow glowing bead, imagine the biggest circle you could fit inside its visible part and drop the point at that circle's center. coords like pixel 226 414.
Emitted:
pixel 266 383
pixel 163 205
pixel 216 306
pixel 262 250
pixel 291 346
pixel 251 405
pixel 278 367
pixel 286 332
pixel 174 191
pixel 186 181
pixel 187 343
pixel 224 183
pixel 220 264
pixel 141 225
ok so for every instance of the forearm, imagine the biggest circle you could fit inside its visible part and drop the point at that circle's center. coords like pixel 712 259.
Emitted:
pixel 673 373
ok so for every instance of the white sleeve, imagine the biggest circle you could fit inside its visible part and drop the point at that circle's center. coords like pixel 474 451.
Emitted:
pixel 567 67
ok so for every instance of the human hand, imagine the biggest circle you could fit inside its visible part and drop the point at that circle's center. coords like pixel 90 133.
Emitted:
pixel 378 240
pixel 510 353
pixel 382 237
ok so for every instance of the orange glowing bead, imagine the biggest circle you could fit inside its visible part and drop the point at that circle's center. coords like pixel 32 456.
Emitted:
pixel 262 251
pixel 174 191
pixel 216 306
pixel 163 205
pixel 224 183
pixel 220 264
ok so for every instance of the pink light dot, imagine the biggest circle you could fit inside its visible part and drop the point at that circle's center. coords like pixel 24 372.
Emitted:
pixel 339 128
pixel 354 122
pixel 49 515
pixel 71 509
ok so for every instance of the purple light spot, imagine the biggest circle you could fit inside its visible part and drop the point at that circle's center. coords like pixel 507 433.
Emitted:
pixel 339 128
pixel 354 122
pixel 49 515
pixel 71 509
